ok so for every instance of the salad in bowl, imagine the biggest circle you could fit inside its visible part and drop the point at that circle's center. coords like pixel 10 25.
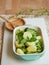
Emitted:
pixel 28 42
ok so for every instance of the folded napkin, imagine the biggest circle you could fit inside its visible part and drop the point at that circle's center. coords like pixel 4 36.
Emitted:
pixel 1 36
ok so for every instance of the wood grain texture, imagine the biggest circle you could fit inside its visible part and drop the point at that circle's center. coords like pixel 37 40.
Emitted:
pixel 2 6
pixel 1 37
pixel 12 6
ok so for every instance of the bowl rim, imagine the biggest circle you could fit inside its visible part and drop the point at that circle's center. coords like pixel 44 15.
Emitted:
pixel 31 27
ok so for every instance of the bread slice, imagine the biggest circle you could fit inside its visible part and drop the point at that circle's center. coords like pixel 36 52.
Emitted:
pixel 15 22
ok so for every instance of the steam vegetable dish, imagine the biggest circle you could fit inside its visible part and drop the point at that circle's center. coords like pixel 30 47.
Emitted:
pixel 28 41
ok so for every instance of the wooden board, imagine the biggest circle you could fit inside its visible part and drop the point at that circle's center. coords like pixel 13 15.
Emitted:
pixel 12 6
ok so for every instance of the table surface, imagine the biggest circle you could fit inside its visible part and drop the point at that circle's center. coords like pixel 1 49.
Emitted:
pixel 13 6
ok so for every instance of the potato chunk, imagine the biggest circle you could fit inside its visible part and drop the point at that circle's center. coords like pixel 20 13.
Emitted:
pixel 16 44
pixel 32 48
pixel 19 51
pixel 39 38
pixel 27 35
pixel 30 43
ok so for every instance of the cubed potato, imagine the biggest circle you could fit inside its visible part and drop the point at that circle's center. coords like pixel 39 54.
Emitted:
pixel 16 44
pixel 27 35
pixel 32 48
pixel 30 43
pixel 19 51
pixel 39 38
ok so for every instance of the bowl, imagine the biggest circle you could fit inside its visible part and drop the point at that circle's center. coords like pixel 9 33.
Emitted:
pixel 33 56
